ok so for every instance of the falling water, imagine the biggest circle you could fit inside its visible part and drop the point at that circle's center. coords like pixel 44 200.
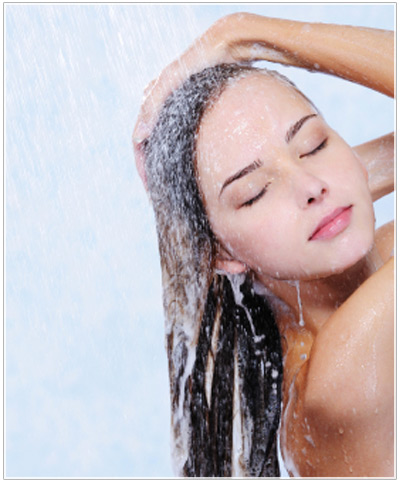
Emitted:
pixel 83 292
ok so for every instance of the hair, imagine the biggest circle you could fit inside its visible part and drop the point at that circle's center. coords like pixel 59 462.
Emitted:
pixel 223 345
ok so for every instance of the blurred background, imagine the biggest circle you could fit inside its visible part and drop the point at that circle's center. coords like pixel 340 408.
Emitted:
pixel 86 381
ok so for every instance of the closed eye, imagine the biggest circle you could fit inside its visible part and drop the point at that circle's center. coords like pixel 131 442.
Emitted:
pixel 255 198
pixel 318 148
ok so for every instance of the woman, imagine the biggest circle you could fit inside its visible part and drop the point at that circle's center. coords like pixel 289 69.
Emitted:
pixel 268 251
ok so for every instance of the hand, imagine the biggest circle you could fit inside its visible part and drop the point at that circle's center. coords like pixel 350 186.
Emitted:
pixel 357 54
pixel 209 49
pixel 228 40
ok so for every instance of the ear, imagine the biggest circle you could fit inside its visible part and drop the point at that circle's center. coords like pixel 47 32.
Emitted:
pixel 225 262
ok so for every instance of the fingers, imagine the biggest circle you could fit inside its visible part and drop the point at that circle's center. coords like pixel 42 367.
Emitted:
pixel 208 50
pixel 140 134
pixel 151 104
pixel 148 112
pixel 140 161
pixel 154 96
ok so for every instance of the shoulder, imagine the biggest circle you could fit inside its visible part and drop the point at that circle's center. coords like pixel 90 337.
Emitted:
pixel 356 342
pixel 349 391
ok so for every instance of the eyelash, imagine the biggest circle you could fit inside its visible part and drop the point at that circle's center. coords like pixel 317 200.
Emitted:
pixel 264 190
pixel 318 148
pixel 255 198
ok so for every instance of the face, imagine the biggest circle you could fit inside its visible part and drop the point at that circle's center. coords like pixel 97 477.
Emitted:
pixel 285 195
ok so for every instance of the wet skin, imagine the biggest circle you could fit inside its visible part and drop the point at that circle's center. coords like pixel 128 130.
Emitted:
pixel 305 180
pixel 272 172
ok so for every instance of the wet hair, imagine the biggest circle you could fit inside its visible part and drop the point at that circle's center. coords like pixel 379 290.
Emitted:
pixel 223 345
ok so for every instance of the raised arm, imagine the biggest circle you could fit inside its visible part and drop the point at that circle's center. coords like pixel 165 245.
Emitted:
pixel 358 54
pixel 378 157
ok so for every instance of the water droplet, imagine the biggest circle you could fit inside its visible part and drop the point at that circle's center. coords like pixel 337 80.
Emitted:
pixel 309 440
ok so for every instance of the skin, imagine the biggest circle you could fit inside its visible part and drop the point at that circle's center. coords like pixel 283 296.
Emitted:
pixel 338 367
pixel 361 55
pixel 304 183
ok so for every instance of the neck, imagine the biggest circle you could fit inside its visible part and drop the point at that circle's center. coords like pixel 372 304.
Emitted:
pixel 312 302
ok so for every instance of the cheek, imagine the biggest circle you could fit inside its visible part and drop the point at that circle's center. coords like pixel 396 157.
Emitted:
pixel 257 242
pixel 348 168
pixel 362 165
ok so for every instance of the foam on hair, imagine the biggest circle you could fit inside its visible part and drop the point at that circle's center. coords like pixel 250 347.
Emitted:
pixel 223 345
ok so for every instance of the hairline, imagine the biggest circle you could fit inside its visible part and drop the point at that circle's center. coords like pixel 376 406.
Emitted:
pixel 247 71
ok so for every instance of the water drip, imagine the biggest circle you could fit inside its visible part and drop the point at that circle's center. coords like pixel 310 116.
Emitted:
pixel 309 440
pixel 236 282
pixel 301 320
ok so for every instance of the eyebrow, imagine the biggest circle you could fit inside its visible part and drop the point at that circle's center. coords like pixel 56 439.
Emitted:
pixel 243 172
pixel 293 130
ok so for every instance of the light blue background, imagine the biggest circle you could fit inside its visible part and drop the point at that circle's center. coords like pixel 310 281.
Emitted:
pixel 86 371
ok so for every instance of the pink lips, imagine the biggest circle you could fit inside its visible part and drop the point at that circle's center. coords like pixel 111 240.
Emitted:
pixel 333 224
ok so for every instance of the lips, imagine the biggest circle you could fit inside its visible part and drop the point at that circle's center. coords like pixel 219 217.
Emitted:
pixel 333 224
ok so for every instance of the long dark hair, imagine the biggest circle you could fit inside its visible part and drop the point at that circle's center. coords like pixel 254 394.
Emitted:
pixel 224 351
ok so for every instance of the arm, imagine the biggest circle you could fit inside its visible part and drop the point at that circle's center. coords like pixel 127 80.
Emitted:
pixel 357 54
pixel 378 157
pixel 361 55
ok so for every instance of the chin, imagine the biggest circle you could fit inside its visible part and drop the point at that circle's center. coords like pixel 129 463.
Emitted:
pixel 351 253
pixel 349 250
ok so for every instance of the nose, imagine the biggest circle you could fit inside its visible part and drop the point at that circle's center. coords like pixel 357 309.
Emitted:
pixel 309 189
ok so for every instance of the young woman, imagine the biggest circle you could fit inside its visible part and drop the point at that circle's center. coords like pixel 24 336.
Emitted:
pixel 272 270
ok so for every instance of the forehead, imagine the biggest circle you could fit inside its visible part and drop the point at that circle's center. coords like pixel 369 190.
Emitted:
pixel 251 112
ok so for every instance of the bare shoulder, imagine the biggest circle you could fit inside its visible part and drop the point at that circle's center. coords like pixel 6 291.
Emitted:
pixel 344 423
pixel 339 414
pixel 384 238
pixel 349 396
pixel 341 357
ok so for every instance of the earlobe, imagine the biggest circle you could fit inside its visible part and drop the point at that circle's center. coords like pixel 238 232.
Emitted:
pixel 230 266
pixel 225 262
